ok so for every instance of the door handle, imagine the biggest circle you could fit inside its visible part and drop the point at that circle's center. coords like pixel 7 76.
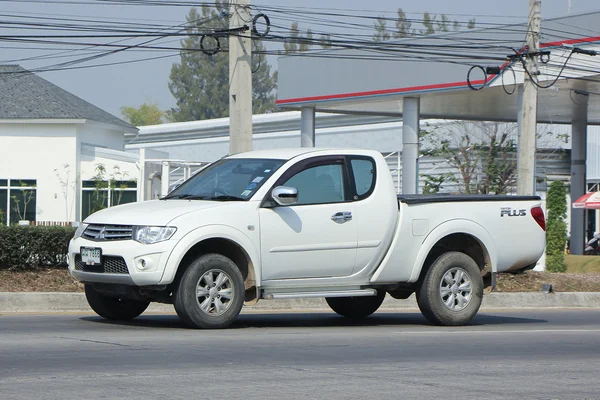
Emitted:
pixel 341 217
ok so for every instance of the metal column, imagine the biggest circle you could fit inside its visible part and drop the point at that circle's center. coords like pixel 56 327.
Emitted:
pixel 307 127
pixel 165 178
pixel 141 183
pixel 410 144
pixel 578 179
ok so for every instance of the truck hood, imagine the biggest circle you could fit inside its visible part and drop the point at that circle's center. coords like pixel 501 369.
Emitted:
pixel 153 212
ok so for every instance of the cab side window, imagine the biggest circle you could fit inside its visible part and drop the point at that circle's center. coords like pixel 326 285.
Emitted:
pixel 363 170
pixel 319 185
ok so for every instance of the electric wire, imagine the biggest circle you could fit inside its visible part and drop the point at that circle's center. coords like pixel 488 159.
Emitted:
pixel 458 49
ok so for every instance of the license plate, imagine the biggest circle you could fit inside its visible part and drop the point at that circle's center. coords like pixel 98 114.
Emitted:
pixel 91 255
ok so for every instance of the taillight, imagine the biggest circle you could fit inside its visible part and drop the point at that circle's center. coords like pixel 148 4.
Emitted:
pixel 538 214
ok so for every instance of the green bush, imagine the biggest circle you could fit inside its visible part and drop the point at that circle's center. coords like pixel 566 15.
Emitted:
pixel 34 246
pixel 556 227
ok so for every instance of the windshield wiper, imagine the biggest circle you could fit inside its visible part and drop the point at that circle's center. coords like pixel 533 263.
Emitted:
pixel 184 197
pixel 227 198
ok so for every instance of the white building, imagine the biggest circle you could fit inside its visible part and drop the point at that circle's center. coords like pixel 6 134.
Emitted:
pixel 51 145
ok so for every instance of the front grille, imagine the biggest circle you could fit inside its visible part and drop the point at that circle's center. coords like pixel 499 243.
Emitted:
pixel 99 233
pixel 110 265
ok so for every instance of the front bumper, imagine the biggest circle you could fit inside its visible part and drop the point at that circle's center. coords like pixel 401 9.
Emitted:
pixel 145 263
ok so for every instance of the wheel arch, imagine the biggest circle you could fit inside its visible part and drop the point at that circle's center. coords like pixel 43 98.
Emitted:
pixel 219 240
pixel 458 235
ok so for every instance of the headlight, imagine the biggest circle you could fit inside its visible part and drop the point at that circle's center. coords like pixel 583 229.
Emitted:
pixel 152 234
pixel 80 229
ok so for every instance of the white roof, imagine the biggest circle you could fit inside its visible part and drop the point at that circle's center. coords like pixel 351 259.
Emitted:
pixel 280 154
pixel 288 154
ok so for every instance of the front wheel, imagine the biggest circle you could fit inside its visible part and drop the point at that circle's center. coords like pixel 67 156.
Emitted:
pixel 115 308
pixel 210 293
pixel 452 290
pixel 356 307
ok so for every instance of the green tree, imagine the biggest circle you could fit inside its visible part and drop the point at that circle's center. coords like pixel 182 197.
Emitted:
pixel 264 82
pixel 297 42
pixel 146 114
pixel 325 41
pixel 403 26
pixel 434 183
pixel 381 32
pixel 556 227
pixel 482 153
pixel 200 82
pixel 431 25
pixel 115 182
pixel 26 196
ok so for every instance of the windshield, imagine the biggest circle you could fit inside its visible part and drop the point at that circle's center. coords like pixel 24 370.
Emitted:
pixel 227 179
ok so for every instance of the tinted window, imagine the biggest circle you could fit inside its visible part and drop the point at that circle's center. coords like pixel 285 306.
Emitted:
pixel 22 182
pixel 92 201
pixel 3 206
pixel 118 197
pixel 22 205
pixel 318 185
pixel 237 178
pixel 364 175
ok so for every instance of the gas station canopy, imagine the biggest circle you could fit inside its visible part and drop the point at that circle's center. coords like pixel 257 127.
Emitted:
pixel 436 69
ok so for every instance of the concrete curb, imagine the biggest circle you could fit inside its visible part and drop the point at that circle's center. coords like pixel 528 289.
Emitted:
pixel 42 302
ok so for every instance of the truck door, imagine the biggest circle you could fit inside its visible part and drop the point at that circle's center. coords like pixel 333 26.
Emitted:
pixel 316 237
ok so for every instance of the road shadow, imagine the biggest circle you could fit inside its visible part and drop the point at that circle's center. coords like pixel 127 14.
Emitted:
pixel 315 320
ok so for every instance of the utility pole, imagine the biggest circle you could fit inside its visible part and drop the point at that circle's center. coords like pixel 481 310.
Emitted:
pixel 240 77
pixel 528 126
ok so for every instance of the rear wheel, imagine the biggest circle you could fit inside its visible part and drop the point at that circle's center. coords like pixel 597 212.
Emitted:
pixel 452 290
pixel 356 307
pixel 115 308
pixel 210 293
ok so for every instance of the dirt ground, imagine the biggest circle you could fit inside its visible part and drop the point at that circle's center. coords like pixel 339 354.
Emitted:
pixel 43 280
pixel 58 280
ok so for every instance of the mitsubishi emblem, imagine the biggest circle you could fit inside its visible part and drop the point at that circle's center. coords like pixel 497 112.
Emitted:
pixel 100 235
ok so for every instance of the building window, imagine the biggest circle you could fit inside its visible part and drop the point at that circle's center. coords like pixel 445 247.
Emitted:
pixel 98 194
pixel 18 200
pixel 4 201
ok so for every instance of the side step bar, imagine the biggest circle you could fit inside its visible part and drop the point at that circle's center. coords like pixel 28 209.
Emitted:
pixel 331 293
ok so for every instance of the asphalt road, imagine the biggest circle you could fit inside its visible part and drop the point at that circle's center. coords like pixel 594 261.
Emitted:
pixel 502 355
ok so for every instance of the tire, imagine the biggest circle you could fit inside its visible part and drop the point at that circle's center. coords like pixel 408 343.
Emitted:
pixel 114 308
pixel 445 287
pixel 221 287
pixel 356 307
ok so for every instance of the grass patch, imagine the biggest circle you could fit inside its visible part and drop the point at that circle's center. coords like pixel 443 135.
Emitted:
pixel 582 264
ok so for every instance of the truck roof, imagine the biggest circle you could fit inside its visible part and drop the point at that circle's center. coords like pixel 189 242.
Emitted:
pixel 280 154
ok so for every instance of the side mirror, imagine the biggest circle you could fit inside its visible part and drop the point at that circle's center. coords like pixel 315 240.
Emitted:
pixel 285 195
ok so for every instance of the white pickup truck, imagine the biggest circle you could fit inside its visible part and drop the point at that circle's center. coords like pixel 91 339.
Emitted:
pixel 282 224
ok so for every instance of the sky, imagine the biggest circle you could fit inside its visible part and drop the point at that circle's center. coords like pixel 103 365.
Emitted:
pixel 131 84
